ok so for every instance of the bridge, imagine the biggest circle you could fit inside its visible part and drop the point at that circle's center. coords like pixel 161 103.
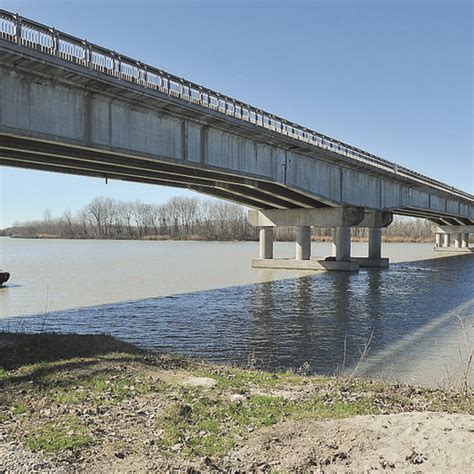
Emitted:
pixel 71 106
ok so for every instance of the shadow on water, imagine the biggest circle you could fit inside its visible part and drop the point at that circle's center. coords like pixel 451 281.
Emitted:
pixel 324 320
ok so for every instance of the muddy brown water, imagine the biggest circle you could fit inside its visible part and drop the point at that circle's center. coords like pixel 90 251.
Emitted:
pixel 203 299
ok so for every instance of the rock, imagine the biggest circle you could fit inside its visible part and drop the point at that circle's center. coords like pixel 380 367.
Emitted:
pixel 200 382
pixel 237 398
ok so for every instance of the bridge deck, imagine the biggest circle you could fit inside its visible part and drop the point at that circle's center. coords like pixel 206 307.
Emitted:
pixel 30 46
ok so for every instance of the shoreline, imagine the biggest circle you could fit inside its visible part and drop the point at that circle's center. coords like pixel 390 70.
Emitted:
pixel 96 403
pixel 159 238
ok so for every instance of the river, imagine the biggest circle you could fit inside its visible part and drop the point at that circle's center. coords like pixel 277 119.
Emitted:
pixel 203 299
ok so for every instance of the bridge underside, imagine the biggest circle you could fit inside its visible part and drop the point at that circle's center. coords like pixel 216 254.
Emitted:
pixel 31 153
pixel 22 152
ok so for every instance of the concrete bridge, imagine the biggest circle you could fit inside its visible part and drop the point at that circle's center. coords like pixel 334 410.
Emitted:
pixel 70 106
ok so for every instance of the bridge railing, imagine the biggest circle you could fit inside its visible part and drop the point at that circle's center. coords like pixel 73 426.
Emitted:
pixel 31 34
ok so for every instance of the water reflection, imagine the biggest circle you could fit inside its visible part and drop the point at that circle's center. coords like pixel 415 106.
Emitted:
pixel 324 320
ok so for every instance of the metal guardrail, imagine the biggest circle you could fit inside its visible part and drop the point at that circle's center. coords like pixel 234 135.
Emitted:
pixel 31 34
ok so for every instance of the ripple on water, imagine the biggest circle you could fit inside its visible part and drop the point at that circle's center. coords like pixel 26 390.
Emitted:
pixel 324 319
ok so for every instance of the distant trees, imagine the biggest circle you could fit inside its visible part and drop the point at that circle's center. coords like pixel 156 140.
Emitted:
pixel 182 218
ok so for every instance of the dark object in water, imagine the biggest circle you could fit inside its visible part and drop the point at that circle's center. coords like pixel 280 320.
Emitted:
pixel 4 276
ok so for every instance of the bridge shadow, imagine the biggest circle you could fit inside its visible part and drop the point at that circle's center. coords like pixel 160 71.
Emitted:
pixel 322 320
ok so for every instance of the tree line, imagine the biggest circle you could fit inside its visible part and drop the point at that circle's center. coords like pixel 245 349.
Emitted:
pixel 180 218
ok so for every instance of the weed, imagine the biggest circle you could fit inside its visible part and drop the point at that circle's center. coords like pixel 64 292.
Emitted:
pixel 19 409
pixel 64 433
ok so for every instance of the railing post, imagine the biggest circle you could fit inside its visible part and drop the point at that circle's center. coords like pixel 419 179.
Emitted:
pixel 55 37
pixel 18 28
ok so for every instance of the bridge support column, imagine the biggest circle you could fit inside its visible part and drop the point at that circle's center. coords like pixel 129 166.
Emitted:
pixel 342 247
pixel 375 251
pixel 446 240
pixel 375 243
pixel 333 244
pixel 303 243
pixel 457 240
pixel 343 244
pixel 266 243
pixel 465 240
pixel 438 242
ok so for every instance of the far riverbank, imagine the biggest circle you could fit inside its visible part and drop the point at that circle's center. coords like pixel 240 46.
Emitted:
pixel 195 238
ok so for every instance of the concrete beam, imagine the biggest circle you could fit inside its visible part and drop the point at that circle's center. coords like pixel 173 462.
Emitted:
pixel 323 217
pixel 455 229
pixel 376 219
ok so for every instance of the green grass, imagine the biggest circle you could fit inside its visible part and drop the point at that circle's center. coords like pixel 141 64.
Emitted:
pixel 97 388
pixel 19 409
pixel 241 379
pixel 64 433
pixel 3 373
pixel 207 426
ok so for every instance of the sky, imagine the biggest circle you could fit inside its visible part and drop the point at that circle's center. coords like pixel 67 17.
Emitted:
pixel 393 77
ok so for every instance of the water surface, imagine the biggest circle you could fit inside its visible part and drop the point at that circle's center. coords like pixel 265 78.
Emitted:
pixel 203 299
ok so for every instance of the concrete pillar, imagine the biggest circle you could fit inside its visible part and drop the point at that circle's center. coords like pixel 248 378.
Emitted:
pixel 303 242
pixel 375 243
pixel 266 242
pixel 333 245
pixel 438 240
pixel 343 243
pixel 457 240
pixel 446 240
pixel 465 240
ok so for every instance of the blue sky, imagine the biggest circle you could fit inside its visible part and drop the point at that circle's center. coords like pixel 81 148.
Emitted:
pixel 391 76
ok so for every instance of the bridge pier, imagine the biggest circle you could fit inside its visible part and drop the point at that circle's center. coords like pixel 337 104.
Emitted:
pixel 455 238
pixel 343 244
pixel 374 260
pixel 266 243
pixel 457 241
pixel 439 240
pixel 342 219
pixel 446 241
pixel 375 242
pixel 303 242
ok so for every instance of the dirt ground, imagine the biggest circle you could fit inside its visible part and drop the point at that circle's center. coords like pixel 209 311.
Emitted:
pixel 92 404
pixel 405 442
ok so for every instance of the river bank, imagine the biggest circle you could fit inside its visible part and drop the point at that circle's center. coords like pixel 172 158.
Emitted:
pixel 197 238
pixel 95 403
